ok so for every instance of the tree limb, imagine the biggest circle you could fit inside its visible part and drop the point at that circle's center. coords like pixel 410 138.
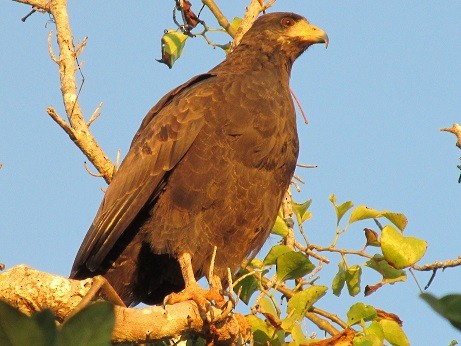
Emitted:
pixel 77 129
pixel 252 12
pixel 439 265
pixel 31 290
pixel 222 20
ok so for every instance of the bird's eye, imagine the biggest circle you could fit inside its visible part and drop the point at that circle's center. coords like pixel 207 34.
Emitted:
pixel 287 22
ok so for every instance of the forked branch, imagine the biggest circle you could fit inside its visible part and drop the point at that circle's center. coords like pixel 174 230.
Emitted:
pixel 76 127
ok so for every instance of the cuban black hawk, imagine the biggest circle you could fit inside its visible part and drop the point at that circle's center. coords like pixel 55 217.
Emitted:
pixel 208 167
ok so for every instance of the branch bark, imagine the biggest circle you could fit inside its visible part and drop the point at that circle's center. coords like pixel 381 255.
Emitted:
pixel 222 20
pixel 252 12
pixel 30 290
pixel 77 129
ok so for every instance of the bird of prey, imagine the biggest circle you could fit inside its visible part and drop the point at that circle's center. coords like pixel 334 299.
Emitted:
pixel 207 168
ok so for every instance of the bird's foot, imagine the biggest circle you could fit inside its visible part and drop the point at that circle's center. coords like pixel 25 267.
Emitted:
pixel 211 303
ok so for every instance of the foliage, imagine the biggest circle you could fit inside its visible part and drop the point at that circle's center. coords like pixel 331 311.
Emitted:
pixel 286 280
pixel 448 306
pixel 91 326
pixel 174 40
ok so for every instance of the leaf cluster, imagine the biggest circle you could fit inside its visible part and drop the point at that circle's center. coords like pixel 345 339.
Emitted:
pixel 286 281
pixel 91 326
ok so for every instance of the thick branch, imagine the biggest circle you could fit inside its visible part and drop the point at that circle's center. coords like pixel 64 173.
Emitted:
pixel 31 290
pixel 252 12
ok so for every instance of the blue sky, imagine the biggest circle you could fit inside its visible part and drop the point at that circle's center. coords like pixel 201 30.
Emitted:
pixel 375 100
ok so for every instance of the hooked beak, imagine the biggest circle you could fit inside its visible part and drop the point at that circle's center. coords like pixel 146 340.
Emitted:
pixel 306 32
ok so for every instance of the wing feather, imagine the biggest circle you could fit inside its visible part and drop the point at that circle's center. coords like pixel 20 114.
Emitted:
pixel 165 135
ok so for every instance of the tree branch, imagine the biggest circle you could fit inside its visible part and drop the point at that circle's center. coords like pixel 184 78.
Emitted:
pixel 222 20
pixel 77 129
pixel 312 313
pixel 456 130
pixel 43 5
pixel 252 12
pixel 439 265
pixel 31 290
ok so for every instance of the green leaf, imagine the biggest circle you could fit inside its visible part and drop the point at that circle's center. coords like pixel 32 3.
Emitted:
pixel 399 251
pixel 399 220
pixel 353 275
pixel 46 322
pixel 375 329
pixel 235 24
pixel 389 273
pixel 362 212
pixel 367 340
pixel 339 280
pixel 293 265
pixel 340 209
pixel 280 227
pixel 19 329
pixel 260 330
pixel 93 326
pixel 172 45
pixel 275 252
pixel 247 286
pixel 360 312
pixel 266 306
pixel 264 333
pixel 302 301
pixel 298 335
pixel 256 263
pixel 394 333
pixel 300 210
pixel 448 306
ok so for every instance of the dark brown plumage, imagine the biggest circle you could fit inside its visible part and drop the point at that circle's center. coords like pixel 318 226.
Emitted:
pixel 208 167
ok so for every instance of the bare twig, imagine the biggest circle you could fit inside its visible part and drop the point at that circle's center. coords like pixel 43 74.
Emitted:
pixel 50 48
pixel 311 253
pixel 81 46
pixel 43 5
pixel 298 178
pixel 439 265
pixel 456 130
pixel 95 115
pixel 23 19
pixel 416 280
pixel 287 212
pixel 341 251
pixel 222 20
pixel 93 174
pixel 312 316
pixel 61 122
pixel 306 166
pixel 299 106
